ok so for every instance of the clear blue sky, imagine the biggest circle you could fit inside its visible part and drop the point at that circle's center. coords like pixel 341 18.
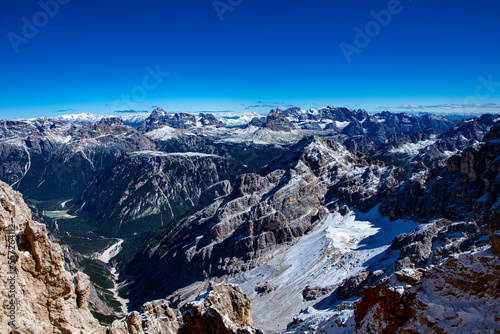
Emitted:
pixel 87 57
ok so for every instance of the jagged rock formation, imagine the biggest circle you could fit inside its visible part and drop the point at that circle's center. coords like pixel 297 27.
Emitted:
pixel 461 294
pixel 225 309
pixel 159 118
pixel 155 317
pixel 457 138
pixel 431 243
pixel 469 178
pixel 38 294
pixel 340 114
pixel 275 121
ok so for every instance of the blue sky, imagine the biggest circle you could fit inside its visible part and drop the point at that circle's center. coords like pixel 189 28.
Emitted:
pixel 248 55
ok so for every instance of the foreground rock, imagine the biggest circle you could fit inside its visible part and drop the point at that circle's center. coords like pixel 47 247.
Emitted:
pixel 461 294
pixel 224 310
pixel 155 317
pixel 38 294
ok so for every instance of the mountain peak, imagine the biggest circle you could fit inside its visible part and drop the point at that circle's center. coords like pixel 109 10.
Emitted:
pixel 157 112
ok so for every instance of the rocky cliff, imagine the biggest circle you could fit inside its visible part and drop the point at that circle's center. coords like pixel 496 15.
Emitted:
pixel 467 188
pixel 38 294
pixel 224 309
pixel 159 118
pixel 459 295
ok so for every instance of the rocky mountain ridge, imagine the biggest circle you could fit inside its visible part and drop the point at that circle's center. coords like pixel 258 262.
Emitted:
pixel 49 159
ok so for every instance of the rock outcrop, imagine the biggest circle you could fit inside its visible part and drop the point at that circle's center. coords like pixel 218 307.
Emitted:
pixel 225 309
pixel 459 295
pixel 155 317
pixel 160 118
pixel 277 121
pixel 38 294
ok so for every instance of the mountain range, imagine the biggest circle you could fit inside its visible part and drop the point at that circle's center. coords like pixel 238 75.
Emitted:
pixel 321 221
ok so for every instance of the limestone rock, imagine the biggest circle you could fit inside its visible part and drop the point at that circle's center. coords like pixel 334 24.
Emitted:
pixel 469 178
pixel 433 242
pixel 352 286
pixel 462 292
pixel 226 309
pixel 410 276
pixel 277 121
pixel 315 292
pixel 46 297
pixel 155 317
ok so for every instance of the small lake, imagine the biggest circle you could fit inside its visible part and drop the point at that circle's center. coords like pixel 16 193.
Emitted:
pixel 56 214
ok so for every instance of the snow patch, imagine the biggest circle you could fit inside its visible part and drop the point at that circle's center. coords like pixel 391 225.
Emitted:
pixel 412 149
pixel 178 154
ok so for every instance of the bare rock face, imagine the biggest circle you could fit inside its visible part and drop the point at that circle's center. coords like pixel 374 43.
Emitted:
pixel 461 293
pixel 154 188
pixel 470 178
pixel 277 121
pixel 353 286
pixel 155 317
pixel 224 310
pixel 392 310
pixel 432 242
pixel 160 118
pixel 38 294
